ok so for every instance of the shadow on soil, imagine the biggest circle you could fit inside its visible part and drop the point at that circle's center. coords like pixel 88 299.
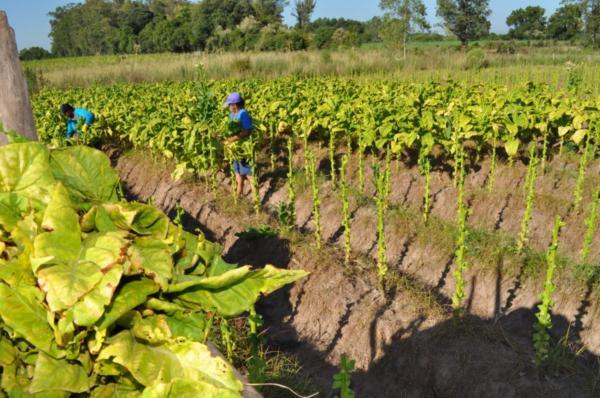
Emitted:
pixel 469 358
pixel 473 357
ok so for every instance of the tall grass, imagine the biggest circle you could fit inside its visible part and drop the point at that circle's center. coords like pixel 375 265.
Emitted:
pixel 432 62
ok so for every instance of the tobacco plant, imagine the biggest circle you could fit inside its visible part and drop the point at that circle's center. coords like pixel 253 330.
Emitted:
pixel 312 172
pixel 492 175
pixel 291 189
pixel 345 209
pixel 110 297
pixel 379 177
pixel 460 251
pixel 583 161
pixel 361 157
pixel 591 223
pixel 255 184
pixel 343 379
pixel 425 170
pixel 541 337
pixel 331 151
pixel 529 198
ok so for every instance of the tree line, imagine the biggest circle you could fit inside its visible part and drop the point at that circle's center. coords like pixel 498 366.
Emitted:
pixel 151 26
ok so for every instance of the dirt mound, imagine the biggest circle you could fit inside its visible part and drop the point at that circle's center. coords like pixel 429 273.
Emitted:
pixel 404 341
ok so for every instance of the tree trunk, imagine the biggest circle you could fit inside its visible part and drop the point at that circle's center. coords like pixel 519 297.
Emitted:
pixel 15 108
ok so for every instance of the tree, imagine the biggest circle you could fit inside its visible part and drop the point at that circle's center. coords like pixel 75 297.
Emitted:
pixel 590 10
pixel 466 19
pixel 401 18
pixel 269 11
pixel 303 11
pixel 527 23
pixel 566 23
pixel 31 53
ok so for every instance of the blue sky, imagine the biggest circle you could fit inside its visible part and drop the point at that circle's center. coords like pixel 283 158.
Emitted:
pixel 30 18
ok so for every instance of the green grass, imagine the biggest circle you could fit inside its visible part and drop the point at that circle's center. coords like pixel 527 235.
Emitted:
pixel 426 61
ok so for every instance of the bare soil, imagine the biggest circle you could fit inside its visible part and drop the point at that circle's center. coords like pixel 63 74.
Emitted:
pixel 404 340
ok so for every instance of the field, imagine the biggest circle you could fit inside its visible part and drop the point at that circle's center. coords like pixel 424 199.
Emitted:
pixel 445 206
pixel 427 61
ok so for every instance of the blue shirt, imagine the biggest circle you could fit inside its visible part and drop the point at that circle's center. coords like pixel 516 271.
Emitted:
pixel 243 117
pixel 79 113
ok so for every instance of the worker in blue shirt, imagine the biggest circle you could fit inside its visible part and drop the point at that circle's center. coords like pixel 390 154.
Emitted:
pixel 241 167
pixel 73 116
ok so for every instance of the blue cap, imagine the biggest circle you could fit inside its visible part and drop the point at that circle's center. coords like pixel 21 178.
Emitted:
pixel 234 98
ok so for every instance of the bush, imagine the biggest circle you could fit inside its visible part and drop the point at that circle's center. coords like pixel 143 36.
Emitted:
pixel 504 47
pixel 31 53
pixel 322 36
pixel 241 65
pixel 476 59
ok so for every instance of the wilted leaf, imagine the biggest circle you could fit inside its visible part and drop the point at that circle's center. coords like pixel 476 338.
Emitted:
pixel 91 307
pixel 65 284
pixel 154 258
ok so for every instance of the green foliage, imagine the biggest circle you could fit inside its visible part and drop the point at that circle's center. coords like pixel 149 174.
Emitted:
pixel 291 189
pixel 331 151
pixel 254 233
pixel 99 295
pixel 314 186
pixel 492 174
pixel 345 209
pixel 591 224
pixel 303 9
pixel 529 187
pixel 527 23
pixel 425 170
pixel 468 20
pixel 379 177
pixel 284 215
pixel 541 337
pixel 476 59
pixel 461 248
pixel 100 27
pixel 32 53
pixel 191 129
pixel 566 23
pixel 583 161
pixel 343 379
pixel 401 19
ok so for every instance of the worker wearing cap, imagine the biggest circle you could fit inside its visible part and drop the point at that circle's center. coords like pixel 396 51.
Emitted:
pixel 73 116
pixel 241 167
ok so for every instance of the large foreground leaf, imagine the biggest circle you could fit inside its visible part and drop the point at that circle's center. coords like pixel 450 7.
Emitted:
pixel 129 296
pixel 185 388
pixel 91 307
pixel 12 206
pixel 149 365
pixel 58 375
pixel 24 168
pixel 86 172
pixel 62 242
pixel 65 284
pixel 22 311
pixel 234 299
pixel 153 258
pixel 153 365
